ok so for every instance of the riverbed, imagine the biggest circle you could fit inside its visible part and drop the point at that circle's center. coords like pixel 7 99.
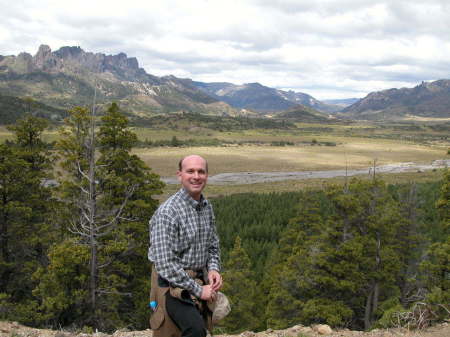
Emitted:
pixel 243 178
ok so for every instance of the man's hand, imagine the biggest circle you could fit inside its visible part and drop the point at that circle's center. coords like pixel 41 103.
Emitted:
pixel 215 280
pixel 207 293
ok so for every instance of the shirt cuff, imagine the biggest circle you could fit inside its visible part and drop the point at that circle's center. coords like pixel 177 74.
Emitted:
pixel 197 291
pixel 213 266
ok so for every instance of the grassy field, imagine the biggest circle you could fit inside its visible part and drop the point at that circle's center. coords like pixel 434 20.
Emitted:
pixel 357 145
pixel 350 152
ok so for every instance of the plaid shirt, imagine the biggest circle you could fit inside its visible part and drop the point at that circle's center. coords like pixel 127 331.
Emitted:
pixel 183 236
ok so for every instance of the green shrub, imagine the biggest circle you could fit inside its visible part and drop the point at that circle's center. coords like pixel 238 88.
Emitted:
pixel 321 310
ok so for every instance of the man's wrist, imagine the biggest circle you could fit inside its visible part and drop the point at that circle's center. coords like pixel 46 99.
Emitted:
pixel 213 266
pixel 197 291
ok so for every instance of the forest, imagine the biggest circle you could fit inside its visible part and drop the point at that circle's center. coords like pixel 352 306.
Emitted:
pixel 74 253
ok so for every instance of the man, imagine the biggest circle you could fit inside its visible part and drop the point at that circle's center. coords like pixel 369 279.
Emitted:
pixel 183 237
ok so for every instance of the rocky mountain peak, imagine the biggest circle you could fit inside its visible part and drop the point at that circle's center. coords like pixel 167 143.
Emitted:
pixel 75 59
pixel 68 76
pixel 43 51
pixel 121 60
pixel 44 59
pixel 69 52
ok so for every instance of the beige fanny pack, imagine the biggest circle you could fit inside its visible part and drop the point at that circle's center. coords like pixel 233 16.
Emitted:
pixel 160 322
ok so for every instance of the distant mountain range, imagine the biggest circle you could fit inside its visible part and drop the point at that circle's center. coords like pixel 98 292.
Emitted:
pixel 67 77
pixel 429 99
pixel 59 80
pixel 254 96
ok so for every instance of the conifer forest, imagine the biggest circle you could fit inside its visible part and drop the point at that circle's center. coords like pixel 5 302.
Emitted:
pixel 74 239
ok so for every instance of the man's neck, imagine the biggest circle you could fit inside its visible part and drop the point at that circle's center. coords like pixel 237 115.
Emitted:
pixel 196 197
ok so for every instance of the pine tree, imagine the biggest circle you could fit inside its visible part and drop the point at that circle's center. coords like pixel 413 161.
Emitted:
pixel 411 240
pixel 28 140
pixel 108 194
pixel 373 219
pixel 240 287
pixel 25 223
pixel 437 264
pixel 343 262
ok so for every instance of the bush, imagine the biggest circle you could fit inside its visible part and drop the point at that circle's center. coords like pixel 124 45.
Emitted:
pixel 333 313
pixel 391 317
pixel 281 143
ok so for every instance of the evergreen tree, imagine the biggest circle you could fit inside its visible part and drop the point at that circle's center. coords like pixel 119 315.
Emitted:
pixel 25 223
pixel 411 244
pixel 437 264
pixel 284 305
pixel 343 262
pixel 240 287
pixel 28 140
pixel 120 169
pixel 108 196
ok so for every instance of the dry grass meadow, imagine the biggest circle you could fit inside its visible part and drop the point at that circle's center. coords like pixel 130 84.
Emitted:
pixel 351 152
pixel 357 146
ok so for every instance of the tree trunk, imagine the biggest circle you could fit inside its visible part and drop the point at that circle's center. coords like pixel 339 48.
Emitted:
pixel 376 295
pixel 367 312
pixel 92 204
pixel 93 278
pixel 411 206
pixel 5 251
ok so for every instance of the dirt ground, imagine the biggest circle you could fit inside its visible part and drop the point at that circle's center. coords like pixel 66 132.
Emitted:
pixel 13 329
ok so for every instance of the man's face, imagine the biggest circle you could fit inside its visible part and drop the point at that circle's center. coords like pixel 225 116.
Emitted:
pixel 193 175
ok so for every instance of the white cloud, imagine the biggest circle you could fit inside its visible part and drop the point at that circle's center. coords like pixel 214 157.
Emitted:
pixel 327 48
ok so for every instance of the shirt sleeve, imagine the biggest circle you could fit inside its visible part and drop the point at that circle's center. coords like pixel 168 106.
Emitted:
pixel 163 232
pixel 213 262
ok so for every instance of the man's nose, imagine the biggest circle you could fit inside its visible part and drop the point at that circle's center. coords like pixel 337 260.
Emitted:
pixel 196 174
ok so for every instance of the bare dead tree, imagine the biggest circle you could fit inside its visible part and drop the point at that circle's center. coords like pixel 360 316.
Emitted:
pixel 94 221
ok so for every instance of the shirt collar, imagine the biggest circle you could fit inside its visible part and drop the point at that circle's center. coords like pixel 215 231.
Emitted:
pixel 191 201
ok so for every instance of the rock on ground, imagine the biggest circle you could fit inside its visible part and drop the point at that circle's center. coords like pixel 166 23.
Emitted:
pixel 13 329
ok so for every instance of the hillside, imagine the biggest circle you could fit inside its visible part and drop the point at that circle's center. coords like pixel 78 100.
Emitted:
pixel 67 77
pixel 194 121
pixel 258 97
pixel 9 329
pixel 425 100
pixel 13 108
pixel 303 114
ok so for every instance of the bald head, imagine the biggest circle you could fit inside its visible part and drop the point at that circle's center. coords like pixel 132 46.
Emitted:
pixel 193 175
pixel 192 156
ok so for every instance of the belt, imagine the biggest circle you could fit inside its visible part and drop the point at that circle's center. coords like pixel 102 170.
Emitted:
pixel 162 282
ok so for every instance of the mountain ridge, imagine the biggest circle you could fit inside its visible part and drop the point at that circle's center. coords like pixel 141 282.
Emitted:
pixel 428 99
pixel 256 96
pixel 69 77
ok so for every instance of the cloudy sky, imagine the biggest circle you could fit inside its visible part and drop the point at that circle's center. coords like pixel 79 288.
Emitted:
pixel 326 48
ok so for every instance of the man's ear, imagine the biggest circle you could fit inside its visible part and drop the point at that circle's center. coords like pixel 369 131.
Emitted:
pixel 179 176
